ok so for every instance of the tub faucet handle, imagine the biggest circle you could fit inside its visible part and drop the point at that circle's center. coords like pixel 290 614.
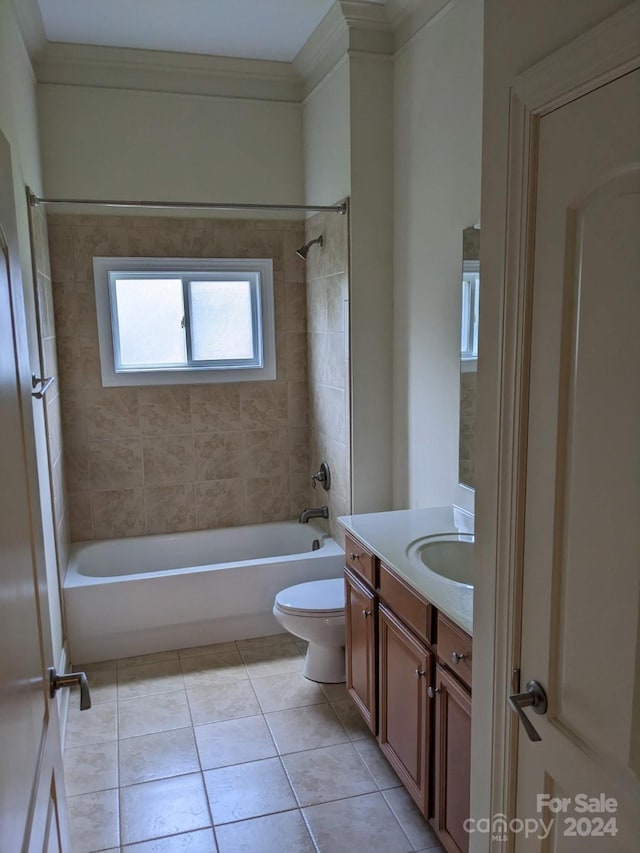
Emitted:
pixel 322 476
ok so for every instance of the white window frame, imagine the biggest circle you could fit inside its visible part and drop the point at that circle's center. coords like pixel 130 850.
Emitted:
pixel 469 314
pixel 258 271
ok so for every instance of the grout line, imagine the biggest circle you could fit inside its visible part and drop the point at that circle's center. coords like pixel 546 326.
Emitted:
pixel 280 756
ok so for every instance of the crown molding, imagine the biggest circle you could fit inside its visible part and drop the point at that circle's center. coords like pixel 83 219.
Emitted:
pixel 29 20
pixel 349 26
pixel 163 71
pixel 326 45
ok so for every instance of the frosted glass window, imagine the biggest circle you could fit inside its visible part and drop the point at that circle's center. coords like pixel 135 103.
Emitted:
pixel 150 323
pixel 221 320
pixel 163 321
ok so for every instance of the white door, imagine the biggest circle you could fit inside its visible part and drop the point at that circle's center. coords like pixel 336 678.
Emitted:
pixel 581 544
pixel 32 816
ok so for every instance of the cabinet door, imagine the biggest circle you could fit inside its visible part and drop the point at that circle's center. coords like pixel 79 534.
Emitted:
pixel 360 647
pixel 406 667
pixel 453 761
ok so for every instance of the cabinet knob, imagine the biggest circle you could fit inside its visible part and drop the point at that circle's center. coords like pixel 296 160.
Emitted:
pixel 456 657
pixel 431 692
pixel 420 673
pixel 353 556
pixel 366 613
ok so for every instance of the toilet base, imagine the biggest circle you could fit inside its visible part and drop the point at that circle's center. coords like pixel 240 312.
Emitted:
pixel 325 664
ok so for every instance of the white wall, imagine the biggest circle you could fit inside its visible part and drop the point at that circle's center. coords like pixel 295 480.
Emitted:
pixel 437 151
pixel 326 138
pixel 348 151
pixel 512 44
pixel 19 124
pixel 371 280
pixel 117 143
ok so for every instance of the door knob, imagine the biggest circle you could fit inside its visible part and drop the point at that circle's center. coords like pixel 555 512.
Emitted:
pixel 57 681
pixel 533 697
pixel 432 692
pixel 366 613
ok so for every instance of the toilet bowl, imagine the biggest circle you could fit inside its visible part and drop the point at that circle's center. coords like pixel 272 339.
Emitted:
pixel 314 611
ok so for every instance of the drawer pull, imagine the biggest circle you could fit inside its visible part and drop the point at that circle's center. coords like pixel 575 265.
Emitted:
pixel 420 673
pixel 353 556
pixel 456 657
pixel 366 613
pixel 431 691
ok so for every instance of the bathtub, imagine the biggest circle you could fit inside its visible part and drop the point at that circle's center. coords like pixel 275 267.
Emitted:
pixel 153 593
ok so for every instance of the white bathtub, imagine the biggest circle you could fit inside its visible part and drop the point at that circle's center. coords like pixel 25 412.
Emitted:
pixel 152 593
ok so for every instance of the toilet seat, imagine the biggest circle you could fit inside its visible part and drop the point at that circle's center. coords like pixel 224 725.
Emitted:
pixel 314 598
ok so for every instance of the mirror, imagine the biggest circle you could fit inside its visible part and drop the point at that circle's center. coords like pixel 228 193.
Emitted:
pixel 469 353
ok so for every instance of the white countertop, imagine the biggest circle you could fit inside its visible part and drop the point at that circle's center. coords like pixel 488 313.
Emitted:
pixel 388 535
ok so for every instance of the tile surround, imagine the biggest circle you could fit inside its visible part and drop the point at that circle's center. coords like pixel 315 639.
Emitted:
pixel 151 772
pixel 50 366
pixel 160 460
pixel 328 360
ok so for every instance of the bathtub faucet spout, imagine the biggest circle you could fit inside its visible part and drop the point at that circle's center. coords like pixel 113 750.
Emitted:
pixel 313 512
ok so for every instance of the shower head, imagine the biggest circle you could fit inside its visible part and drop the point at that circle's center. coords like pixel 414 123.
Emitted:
pixel 303 250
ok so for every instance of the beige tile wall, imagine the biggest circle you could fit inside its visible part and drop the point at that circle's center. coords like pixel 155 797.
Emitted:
pixel 468 397
pixel 49 367
pixel 166 459
pixel 328 357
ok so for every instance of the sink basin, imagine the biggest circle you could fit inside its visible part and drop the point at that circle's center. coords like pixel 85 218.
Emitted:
pixel 449 555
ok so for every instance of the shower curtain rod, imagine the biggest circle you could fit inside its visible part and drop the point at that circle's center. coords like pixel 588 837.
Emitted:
pixel 35 200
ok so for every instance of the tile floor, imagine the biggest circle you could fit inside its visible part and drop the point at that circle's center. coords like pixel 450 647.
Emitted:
pixel 227 749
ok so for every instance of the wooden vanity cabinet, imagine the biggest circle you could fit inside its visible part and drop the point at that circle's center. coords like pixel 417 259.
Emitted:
pixel 452 748
pixel 406 671
pixel 361 648
pixel 409 673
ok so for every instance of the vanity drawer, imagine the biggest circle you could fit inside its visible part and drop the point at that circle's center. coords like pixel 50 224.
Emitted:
pixel 360 560
pixel 406 604
pixel 454 649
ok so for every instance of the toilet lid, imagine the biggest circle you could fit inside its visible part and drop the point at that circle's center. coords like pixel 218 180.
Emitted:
pixel 314 597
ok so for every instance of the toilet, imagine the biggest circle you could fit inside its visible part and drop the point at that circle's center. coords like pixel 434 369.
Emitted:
pixel 314 611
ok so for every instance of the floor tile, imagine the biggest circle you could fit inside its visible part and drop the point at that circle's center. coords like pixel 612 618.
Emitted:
pixel 201 841
pixel 377 764
pixel 103 681
pixel 140 660
pixel 285 832
pixel 91 768
pixel 164 807
pixel 351 719
pixel 234 742
pixel 359 823
pixel 98 724
pixel 93 819
pixel 287 690
pixel 248 790
pixel 158 756
pixel 141 717
pixel 261 642
pixel 215 702
pixel 415 826
pixel 335 692
pixel 211 649
pixel 272 660
pixel 149 678
pixel 213 668
pixel 305 728
pixel 330 773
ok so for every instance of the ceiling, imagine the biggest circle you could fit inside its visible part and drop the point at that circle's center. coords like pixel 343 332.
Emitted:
pixel 251 29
